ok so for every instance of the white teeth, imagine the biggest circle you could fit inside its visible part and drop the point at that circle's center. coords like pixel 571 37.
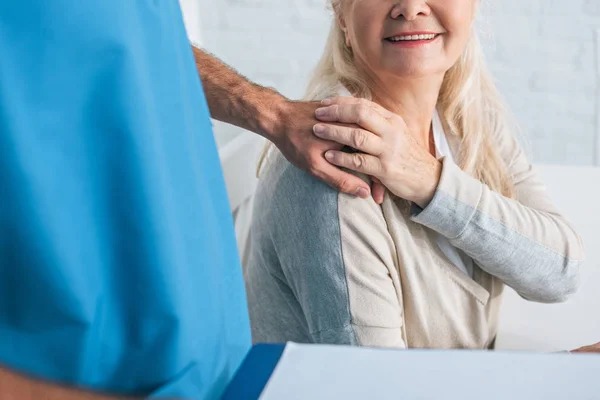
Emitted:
pixel 412 37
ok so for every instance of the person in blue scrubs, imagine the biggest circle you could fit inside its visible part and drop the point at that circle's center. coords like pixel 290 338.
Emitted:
pixel 118 264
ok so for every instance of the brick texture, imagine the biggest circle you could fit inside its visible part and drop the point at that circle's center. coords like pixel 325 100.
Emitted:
pixel 544 55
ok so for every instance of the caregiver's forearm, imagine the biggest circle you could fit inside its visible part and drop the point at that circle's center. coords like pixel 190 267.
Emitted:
pixel 235 100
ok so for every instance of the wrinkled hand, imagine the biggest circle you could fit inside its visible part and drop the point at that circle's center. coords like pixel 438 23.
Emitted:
pixel 306 151
pixel 595 348
pixel 386 151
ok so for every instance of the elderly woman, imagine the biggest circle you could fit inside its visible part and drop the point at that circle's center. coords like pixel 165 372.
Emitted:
pixel 464 212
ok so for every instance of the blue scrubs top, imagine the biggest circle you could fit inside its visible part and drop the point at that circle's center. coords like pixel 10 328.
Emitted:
pixel 118 264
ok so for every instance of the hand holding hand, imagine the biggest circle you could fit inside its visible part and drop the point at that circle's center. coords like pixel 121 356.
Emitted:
pixel 306 151
pixel 386 151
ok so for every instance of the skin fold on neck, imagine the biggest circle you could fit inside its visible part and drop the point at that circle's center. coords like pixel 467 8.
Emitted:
pixel 414 99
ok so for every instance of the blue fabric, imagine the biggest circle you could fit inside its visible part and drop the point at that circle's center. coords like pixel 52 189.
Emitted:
pixel 118 263
pixel 254 374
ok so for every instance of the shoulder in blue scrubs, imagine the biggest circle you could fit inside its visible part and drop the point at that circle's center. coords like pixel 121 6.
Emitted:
pixel 118 264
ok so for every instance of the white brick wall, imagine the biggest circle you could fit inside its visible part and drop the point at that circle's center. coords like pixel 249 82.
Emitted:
pixel 544 53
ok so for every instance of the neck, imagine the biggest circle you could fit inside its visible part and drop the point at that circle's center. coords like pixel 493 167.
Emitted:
pixel 413 99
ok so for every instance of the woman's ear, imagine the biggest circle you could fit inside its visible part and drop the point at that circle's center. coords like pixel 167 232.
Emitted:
pixel 348 44
pixel 344 30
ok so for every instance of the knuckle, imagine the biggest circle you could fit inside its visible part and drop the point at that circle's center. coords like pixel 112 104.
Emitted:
pixel 358 160
pixel 333 132
pixel 362 113
pixel 388 115
pixel 359 138
pixel 336 111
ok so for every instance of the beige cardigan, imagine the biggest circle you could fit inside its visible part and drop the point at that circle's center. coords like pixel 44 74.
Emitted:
pixel 326 267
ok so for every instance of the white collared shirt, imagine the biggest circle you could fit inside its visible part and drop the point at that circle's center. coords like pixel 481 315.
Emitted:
pixel 442 149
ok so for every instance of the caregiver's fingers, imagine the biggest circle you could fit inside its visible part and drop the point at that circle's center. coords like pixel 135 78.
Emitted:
pixel 340 180
pixel 359 162
pixel 355 100
pixel 359 139
pixel 377 190
pixel 355 113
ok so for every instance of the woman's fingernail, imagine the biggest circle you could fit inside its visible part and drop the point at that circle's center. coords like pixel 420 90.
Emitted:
pixel 320 112
pixel 326 102
pixel 319 129
pixel 362 193
pixel 329 155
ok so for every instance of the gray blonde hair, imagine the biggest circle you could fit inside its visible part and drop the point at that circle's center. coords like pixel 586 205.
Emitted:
pixel 469 103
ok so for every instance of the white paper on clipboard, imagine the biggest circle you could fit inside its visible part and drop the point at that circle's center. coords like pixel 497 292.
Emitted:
pixel 348 373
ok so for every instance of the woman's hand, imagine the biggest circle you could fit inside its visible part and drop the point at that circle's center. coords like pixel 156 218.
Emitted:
pixel 386 151
pixel 595 348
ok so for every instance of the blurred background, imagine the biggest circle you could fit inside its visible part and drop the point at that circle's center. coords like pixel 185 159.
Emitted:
pixel 545 55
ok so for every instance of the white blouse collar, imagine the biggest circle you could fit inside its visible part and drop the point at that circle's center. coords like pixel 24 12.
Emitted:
pixel 442 147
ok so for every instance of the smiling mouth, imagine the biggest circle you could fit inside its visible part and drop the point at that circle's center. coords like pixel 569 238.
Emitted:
pixel 411 38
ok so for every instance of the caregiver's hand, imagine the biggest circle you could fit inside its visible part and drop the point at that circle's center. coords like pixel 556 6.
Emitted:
pixel 387 151
pixel 288 124
pixel 305 151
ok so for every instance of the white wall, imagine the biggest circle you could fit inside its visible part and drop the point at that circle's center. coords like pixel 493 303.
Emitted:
pixel 526 325
pixel 544 53
pixel 192 9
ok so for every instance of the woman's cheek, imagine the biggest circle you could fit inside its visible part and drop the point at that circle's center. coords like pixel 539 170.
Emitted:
pixel 456 15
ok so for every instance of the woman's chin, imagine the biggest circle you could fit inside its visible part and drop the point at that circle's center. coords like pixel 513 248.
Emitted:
pixel 414 72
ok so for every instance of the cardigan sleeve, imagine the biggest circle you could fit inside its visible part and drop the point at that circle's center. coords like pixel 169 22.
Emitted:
pixel 525 241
